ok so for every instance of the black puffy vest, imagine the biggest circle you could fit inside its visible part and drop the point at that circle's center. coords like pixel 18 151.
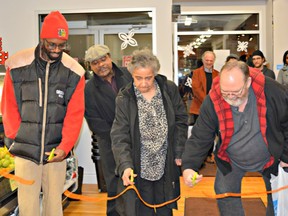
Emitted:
pixel 42 96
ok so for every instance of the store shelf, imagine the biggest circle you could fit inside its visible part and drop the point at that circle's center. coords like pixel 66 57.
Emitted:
pixel 8 196
pixel 8 204
pixel 72 185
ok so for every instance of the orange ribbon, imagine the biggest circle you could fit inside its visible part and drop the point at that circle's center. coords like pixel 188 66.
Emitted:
pixel 6 173
pixel 224 195
pixel 130 187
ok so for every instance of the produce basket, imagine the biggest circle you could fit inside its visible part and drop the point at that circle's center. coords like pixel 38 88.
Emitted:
pixel 8 187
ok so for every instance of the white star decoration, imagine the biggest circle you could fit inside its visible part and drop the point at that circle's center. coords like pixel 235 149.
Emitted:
pixel 127 39
pixel 188 50
pixel 188 82
pixel 242 46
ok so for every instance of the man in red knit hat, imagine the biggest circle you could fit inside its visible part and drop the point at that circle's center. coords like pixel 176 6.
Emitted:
pixel 43 109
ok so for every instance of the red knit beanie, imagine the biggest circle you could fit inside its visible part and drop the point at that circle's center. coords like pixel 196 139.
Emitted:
pixel 54 26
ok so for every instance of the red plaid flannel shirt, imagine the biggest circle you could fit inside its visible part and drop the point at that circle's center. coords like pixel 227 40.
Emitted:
pixel 225 117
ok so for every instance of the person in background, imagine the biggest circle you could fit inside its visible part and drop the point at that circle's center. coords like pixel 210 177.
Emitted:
pixel 283 73
pixel 201 85
pixel 232 57
pixel 148 137
pixel 187 93
pixel 43 108
pixel 258 60
pixel 243 58
pixel 249 61
pixel 247 58
pixel 249 113
pixel 100 93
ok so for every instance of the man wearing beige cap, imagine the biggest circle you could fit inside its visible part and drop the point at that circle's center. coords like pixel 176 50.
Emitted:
pixel 100 94
pixel 43 109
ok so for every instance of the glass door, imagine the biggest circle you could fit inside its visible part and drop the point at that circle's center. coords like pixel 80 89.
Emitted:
pixel 78 44
pixel 80 40
pixel 121 48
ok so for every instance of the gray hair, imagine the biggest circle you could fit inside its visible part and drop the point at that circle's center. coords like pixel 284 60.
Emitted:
pixel 236 64
pixel 144 59
pixel 208 52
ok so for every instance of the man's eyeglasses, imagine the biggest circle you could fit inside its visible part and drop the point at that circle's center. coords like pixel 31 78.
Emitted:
pixel 235 94
pixel 53 46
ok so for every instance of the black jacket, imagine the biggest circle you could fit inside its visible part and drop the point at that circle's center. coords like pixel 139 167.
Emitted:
pixel 269 73
pixel 100 102
pixel 125 133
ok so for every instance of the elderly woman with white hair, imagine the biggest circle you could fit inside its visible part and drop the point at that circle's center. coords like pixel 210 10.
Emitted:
pixel 148 137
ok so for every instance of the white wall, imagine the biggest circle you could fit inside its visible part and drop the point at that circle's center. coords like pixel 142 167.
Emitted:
pixel 83 152
pixel 280 31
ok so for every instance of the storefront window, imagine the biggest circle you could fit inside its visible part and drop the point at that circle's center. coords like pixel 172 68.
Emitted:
pixel 223 33
pixel 229 43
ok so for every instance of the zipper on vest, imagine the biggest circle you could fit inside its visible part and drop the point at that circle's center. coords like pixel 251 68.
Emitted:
pixel 40 92
pixel 11 146
pixel 44 112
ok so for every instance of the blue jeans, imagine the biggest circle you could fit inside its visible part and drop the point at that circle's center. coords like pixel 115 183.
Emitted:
pixel 232 206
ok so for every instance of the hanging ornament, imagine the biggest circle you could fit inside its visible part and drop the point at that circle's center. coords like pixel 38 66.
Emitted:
pixel 188 82
pixel 127 39
pixel 242 46
pixel 188 50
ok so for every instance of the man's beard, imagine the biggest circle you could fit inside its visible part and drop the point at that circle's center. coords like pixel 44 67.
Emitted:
pixel 48 53
pixel 235 103
pixel 238 101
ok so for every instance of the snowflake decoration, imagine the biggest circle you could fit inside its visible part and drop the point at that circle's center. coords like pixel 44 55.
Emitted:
pixel 188 82
pixel 127 39
pixel 242 46
pixel 188 50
